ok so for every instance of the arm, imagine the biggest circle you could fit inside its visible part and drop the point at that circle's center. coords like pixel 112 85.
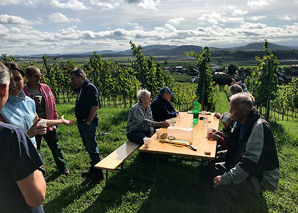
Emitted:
pixel 35 129
pixel 92 114
pixel 33 188
pixel 250 158
pixel 62 120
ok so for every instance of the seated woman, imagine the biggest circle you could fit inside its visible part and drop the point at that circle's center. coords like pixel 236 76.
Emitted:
pixel 140 120
pixel 19 109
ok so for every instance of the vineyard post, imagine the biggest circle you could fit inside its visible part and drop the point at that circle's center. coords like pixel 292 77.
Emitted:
pixel 95 76
pixel 44 57
pixel 204 84
pixel 269 91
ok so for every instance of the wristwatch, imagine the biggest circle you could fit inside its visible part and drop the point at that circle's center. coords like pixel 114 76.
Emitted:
pixel 88 123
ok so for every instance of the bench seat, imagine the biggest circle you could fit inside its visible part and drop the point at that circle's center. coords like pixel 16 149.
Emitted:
pixel 113 160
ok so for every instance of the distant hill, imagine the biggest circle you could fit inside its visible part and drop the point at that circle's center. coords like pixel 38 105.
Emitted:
pixel 254 49
pixel 260 46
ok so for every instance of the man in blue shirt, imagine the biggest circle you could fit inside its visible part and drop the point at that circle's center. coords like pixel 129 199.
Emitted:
pixel 161 106
pixel 87 120
pixel 22 185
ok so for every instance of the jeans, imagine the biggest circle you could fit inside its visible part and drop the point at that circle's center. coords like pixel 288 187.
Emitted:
pixel 51 138
pixel 88 134
pixel 137 136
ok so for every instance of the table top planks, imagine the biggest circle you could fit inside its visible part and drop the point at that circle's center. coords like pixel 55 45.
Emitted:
pixel 205 148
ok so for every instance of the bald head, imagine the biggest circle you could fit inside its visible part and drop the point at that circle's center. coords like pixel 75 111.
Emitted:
pixel 244 100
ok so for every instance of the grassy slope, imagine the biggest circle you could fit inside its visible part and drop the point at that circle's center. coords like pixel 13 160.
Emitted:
pixel 134 190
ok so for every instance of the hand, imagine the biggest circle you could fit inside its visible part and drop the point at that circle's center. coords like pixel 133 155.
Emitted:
pixel 37 130
pixel 217 115
pixel 217 181
pixel 226 125
pixel 64 121
pixel 163 124
pixel 215 135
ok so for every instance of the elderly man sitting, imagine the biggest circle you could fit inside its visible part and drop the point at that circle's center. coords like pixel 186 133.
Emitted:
pixel 251 163
pixel 161 106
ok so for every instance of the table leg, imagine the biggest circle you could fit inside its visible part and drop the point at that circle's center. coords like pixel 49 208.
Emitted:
pixel 157 170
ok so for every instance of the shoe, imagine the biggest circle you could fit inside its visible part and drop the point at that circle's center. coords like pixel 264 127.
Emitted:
pixel 89 173
pixel 99 176
pixel 65 171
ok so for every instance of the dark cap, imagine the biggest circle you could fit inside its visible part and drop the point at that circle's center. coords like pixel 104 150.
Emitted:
pixel 166 90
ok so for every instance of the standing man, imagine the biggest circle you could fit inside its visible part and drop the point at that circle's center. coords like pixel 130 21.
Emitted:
pixel 45 108
pixel 87 120
pixel 161 106
pixel 22 185
pixel 251 163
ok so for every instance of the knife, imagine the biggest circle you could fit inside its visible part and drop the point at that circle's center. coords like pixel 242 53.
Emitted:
pixel 190 146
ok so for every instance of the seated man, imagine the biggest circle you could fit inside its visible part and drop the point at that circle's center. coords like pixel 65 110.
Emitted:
pixel 161 106
pixel 251 163
pixel 22 184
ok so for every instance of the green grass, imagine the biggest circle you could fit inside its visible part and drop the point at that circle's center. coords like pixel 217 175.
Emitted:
pixel 181 77
pixel 134 189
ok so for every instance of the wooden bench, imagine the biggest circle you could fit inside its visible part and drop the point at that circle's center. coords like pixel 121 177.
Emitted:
pixel 117 157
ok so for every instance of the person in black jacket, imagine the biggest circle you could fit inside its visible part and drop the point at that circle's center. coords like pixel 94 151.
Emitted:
pixel 161 106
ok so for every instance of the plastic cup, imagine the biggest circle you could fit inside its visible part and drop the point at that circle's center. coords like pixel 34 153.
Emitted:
pixel 205 121
pixel 42 123
pixel 209 132
pixel 204 113
pixel 37 99
pixel 158 132
pixel 226 117
pixel 146 142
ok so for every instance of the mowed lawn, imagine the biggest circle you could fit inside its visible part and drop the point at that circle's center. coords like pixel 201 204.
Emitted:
pixel 135 190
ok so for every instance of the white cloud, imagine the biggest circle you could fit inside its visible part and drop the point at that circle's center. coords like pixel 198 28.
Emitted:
pixel 176 21
pixel 60 18
pixel 7 19
pixel 256 18
pixel 20 2
pixel 257 4
pixel 107 4
pixel 8 2
pixel 15 20
pixel 70 4
pixel 112 4
pixel 148 4
pixel 219 17
pixel 238 12
pixel 286 17
pixel 213 18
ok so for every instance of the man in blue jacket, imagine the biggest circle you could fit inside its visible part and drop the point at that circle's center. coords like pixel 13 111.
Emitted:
pixel 161 106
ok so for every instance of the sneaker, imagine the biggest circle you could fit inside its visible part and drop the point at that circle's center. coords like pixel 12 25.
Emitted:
pixel 65 171
pixel 89 173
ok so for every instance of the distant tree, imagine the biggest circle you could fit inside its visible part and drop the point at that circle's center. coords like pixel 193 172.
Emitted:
pixel 165 63
pixel 232 69
pixel 205 90
pixel 263 81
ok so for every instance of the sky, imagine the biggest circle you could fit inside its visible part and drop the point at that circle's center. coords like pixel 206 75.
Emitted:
pixel 73 26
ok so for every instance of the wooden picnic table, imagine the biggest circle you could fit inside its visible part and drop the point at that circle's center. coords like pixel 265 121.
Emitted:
pixel 205 148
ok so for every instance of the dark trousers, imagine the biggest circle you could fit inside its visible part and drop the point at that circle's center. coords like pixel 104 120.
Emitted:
pixel 88 134
pixel 221 196
pixel 51 138
pixel 137 136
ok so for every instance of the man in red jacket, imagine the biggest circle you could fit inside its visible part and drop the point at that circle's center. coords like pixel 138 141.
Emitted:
pixel 45 108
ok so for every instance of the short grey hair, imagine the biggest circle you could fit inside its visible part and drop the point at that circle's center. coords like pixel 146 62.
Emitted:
pixel 4 75
pixel 245 100
pixel 142 94
pixel 78 71
pixel 235 88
